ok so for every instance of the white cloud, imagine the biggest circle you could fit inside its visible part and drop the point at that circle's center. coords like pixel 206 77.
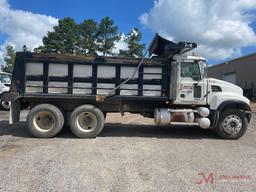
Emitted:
pixel 121 44
pixel 22 27
pixel 220 27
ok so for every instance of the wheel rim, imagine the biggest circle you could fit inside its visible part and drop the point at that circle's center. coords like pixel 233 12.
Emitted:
pixel 232 124
pixel 5 104
pixel 44 121
pixel 86 121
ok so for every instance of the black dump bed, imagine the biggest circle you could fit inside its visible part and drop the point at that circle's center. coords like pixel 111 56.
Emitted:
pixel 58 75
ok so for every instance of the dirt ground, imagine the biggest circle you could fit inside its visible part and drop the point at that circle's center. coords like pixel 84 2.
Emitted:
pixel 253 106
pixel 131 154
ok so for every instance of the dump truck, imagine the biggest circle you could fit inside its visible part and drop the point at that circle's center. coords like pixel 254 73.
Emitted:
pixel 170 86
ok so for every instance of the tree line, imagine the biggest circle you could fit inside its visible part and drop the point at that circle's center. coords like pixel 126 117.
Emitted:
pixel 88 38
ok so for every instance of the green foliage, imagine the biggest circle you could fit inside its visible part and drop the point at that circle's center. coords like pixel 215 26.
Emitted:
pixel 89 38
pixel 63 39
pixel 40 49
pixel 135 49
pixel 87 44
pixel 107 35
pixel 9 59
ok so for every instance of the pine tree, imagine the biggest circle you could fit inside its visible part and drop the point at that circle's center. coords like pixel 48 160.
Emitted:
pixel 39 49
pixel 107 35
pixel 135 49
pixel 9 59
pixel 88 38
pixel 87 44
pixel 63 39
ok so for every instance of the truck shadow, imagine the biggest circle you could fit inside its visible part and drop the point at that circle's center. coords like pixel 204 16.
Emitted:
pixel 121 130
pixel 156 131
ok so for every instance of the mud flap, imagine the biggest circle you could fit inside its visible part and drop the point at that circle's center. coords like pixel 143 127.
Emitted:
pixel 14 116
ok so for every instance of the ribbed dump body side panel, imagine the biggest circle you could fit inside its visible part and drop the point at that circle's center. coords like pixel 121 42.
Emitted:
pixel 53 74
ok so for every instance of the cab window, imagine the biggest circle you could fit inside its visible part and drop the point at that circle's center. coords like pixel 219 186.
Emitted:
pixel 190 69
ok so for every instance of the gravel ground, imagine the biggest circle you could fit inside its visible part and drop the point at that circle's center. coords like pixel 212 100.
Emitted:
pixel 131 154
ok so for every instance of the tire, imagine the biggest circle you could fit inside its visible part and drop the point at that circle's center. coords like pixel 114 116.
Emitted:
pixel 45 121
pixel 232 125
pixel 5 105
pixel 87 121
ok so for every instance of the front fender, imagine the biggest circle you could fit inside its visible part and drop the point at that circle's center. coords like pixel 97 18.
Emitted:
pixel 220 100
pixel 234 104
pixel 3 90
pixel 2 95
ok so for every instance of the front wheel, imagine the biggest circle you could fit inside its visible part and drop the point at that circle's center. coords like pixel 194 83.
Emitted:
pixel 232 125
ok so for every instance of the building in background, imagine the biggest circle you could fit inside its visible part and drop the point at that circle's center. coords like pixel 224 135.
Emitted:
pixel 240 71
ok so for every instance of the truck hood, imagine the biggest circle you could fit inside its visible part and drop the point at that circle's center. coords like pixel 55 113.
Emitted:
pixel 226 86
pixel 228 92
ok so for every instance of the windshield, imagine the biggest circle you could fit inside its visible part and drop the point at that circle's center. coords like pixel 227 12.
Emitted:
pixel 5 78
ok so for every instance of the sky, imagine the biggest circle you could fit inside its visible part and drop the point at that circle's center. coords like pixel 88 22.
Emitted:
pixel 223 29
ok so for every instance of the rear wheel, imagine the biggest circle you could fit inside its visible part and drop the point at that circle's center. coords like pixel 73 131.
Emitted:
pixel 87 121
pixel 232 125
pixel 45 121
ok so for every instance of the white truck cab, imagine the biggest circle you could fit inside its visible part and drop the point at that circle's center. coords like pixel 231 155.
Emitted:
pixel 224 100
pixel 5 82
pixel 194 88
pixel 191 87
pixel 209 102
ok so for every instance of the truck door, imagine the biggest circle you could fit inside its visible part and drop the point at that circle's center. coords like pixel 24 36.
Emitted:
pixel 191 85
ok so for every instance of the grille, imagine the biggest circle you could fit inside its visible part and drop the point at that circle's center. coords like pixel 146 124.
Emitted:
pixel 216 89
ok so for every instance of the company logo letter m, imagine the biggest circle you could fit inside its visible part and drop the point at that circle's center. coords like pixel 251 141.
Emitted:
pixel 205 178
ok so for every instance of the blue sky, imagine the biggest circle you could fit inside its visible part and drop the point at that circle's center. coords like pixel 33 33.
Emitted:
pixel 125 13
pixel 223 29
